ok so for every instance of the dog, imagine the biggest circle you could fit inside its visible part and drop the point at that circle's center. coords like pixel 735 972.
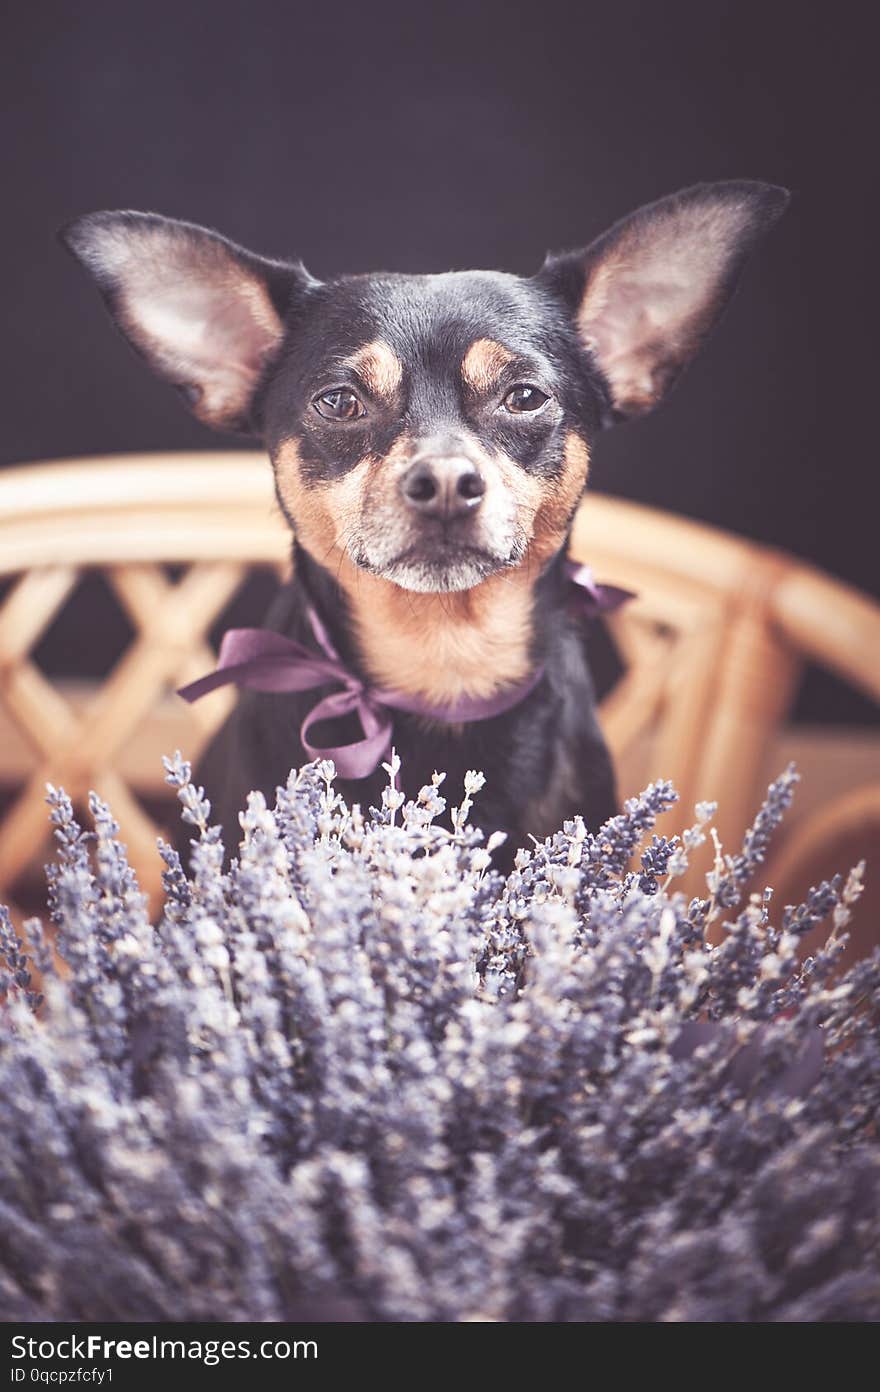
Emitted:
pixel 430 437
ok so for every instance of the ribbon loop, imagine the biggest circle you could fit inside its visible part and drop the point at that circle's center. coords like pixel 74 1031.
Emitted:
pixel 361 757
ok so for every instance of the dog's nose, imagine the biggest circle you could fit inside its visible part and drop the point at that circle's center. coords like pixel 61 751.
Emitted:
pixel 443 486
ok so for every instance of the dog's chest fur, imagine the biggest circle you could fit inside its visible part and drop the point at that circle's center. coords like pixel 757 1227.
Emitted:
pixel 544 760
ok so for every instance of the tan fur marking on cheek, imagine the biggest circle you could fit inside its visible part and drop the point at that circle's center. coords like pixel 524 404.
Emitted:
pixel 483 364
pixel 526 491
pixel 324 514
pixel 553 516
pixel 379 366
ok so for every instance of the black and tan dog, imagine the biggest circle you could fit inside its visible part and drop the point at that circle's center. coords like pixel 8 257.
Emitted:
pixel 431 439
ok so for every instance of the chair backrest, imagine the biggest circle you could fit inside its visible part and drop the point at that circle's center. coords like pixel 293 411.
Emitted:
pixel 712 648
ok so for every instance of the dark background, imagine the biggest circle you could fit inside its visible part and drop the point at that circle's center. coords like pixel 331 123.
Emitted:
pixel 415 137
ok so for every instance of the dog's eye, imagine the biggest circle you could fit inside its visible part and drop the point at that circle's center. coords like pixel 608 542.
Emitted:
pixel 522 399
pixel 339 404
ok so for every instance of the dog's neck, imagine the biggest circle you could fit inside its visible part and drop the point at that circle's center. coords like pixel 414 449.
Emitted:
pixel 439 647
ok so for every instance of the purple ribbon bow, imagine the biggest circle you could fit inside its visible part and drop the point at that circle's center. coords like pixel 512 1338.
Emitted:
pixel 265 661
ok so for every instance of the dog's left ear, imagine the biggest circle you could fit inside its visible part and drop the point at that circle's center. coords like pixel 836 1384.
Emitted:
pixel 645 295
pixel 206 315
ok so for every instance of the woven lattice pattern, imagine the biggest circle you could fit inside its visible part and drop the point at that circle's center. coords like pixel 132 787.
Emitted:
pixel 80 743
pixel 711 650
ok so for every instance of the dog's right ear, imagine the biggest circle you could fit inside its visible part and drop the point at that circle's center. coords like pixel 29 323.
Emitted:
pixel 207 315
pixel 645 295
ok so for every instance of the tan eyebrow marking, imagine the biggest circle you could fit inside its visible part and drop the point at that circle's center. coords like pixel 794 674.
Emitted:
pixel 483 364
pixel 379 366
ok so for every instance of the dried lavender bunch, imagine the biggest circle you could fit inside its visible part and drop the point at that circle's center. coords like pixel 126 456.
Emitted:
pixel 361 1061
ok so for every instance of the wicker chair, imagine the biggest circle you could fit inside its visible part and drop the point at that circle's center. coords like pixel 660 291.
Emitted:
pixel 712 649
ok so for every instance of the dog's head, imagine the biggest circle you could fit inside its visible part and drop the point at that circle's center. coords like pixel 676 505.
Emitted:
pixel 431 430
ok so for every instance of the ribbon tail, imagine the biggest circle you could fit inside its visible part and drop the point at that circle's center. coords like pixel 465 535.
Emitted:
pixel 592 597
pixel 611 597
pixel 194 691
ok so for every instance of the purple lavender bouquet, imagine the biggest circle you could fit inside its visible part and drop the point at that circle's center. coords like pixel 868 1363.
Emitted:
pixel 361 1061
